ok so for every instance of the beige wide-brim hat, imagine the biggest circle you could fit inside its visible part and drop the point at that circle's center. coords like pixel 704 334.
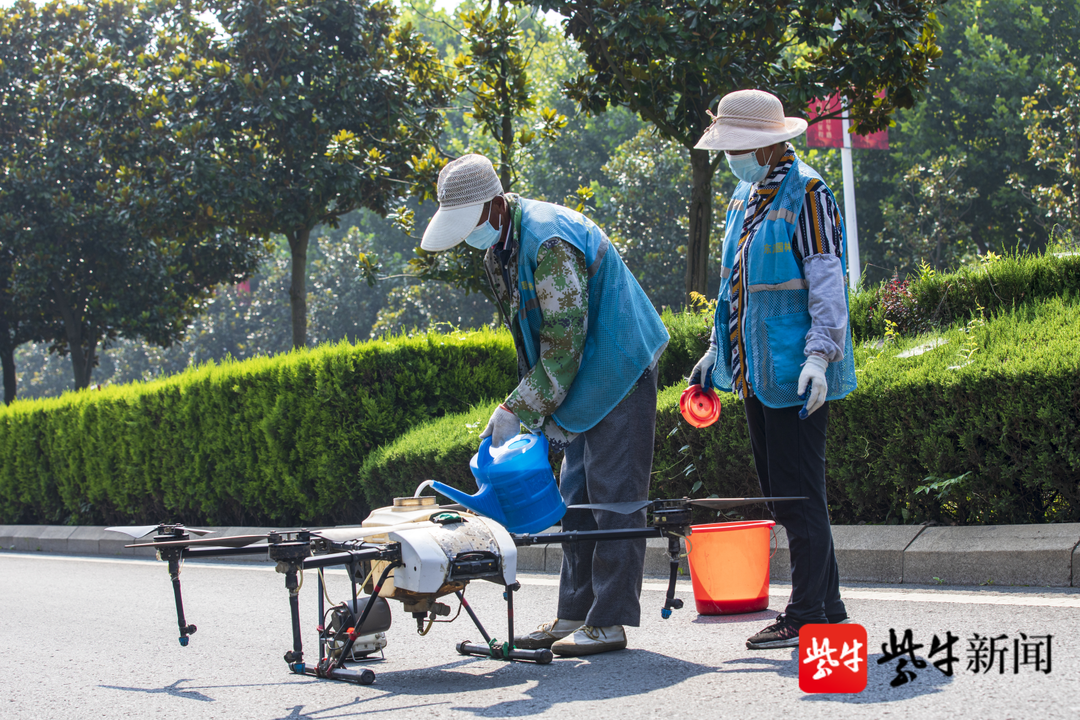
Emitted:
pixel 748 120
pixel 464 186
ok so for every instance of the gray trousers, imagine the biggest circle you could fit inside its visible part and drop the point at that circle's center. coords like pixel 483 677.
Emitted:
pixel 601 581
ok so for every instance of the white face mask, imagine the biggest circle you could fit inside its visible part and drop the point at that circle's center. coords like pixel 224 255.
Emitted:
pixel 484 236
pixel 746 167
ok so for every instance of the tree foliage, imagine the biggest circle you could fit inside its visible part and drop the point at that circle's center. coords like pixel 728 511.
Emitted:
pixel 321 107
pixel 671 60
pixel 88 265
pixel 1053 117
pixel 995 54
pixel 930 223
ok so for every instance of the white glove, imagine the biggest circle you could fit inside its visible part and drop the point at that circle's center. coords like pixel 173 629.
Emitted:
pixel 813 374
pixel 704 366
pixel 502 426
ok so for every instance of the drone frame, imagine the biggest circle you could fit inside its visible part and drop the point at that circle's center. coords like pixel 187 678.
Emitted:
pixel 299 550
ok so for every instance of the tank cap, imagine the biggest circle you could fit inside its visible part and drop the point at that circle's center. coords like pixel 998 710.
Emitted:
pixel 701 408
pixel 411 503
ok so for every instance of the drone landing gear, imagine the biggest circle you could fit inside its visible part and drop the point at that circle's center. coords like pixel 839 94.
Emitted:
pixel 332 667
pixel 173 557
pixel 493 649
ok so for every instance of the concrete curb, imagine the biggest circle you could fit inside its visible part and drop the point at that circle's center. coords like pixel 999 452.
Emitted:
pixel 1040 555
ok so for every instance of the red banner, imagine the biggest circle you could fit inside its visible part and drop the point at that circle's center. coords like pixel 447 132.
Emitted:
pixel 830 134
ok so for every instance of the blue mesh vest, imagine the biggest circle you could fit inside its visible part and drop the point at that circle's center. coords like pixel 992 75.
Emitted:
pixel 776 318
pixel 625 335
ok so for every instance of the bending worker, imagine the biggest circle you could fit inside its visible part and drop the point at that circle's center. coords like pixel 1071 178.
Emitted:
pixel 781 340
pixel 588 341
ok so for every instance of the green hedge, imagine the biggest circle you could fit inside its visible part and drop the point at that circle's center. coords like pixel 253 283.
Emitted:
pixel 441 449
pixel 989 417
pixel 994 409
pixel 980 429
pixel 265 441
pixel 269 440
pixel 935 300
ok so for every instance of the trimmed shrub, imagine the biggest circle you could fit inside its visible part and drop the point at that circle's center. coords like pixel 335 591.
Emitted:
pixel 978 428
pixel 938 300
pixel 689 333
pixel 436 450
pixel 268 440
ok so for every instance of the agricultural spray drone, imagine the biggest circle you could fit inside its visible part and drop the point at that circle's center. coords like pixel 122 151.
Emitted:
pixel 429 553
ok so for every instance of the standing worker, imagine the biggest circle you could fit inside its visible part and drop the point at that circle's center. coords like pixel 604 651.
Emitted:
pixel 588 341
pixel 781 332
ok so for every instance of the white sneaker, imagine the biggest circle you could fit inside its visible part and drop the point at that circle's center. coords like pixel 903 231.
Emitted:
pixel 546 634
pixel 589 640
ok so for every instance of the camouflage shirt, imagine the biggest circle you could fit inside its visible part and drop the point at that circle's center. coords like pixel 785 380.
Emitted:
pixel 562 291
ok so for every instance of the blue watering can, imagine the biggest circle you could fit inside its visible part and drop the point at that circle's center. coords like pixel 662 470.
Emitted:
pixel 517 487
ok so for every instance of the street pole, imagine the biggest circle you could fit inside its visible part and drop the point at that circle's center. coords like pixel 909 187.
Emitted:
pixel 850 220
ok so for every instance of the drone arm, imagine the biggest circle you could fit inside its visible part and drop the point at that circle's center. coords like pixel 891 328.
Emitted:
pixel 590 535
pixel 344 558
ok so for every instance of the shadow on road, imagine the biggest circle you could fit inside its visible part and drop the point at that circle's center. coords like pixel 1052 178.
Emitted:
pixel 614 675
pixel 926 681
pixel 757 618
pixel 190 693
pixel 919 682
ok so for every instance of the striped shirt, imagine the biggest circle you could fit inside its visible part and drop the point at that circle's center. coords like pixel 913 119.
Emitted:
pixel 816 233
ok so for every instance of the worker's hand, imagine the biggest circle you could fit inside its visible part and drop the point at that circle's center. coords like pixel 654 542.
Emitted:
pixel 502 426
pixel 813 374
pixel 703 369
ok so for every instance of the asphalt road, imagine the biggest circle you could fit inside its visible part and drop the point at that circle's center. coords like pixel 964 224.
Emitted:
pixel 96 638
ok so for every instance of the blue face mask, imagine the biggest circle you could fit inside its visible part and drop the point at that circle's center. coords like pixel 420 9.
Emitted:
pixel 746 168
pixel 484 236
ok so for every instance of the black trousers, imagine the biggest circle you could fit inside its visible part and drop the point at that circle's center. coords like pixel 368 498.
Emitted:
pixel 789 455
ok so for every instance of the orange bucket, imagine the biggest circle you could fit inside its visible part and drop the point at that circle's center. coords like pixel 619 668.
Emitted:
pixel 729 566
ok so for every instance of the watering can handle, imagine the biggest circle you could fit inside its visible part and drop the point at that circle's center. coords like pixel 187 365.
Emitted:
pixel 483 454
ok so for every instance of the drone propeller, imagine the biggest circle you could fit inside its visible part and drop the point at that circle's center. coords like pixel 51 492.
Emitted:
pixel 344 534
pixel 138 531
pixel 234 541
pixel 334 534
pixel 725 503
pixel 626 508
pixel 623 508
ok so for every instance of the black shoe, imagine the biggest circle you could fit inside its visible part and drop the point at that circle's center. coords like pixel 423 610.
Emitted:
pixel 838 619
pixel 781 634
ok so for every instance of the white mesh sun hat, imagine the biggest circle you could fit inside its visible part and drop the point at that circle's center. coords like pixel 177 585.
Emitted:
pixel 747 120
pixel 465 185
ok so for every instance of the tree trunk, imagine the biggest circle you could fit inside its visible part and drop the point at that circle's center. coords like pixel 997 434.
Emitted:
pixel 298 245
pixel 89 360
pixel 7 361
pixel 506 144
pixel 82 358
pixel 697 249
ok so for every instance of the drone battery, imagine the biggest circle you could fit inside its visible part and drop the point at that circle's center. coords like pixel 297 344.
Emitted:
pixel 378 620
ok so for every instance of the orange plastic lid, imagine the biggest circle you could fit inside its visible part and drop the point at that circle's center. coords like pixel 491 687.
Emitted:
pixel 701 408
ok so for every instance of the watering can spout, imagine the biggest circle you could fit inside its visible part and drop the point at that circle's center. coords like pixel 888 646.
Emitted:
pixel 484 502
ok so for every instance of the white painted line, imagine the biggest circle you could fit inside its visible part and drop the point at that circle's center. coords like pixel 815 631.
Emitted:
pixel 975 597
pixel 964 599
